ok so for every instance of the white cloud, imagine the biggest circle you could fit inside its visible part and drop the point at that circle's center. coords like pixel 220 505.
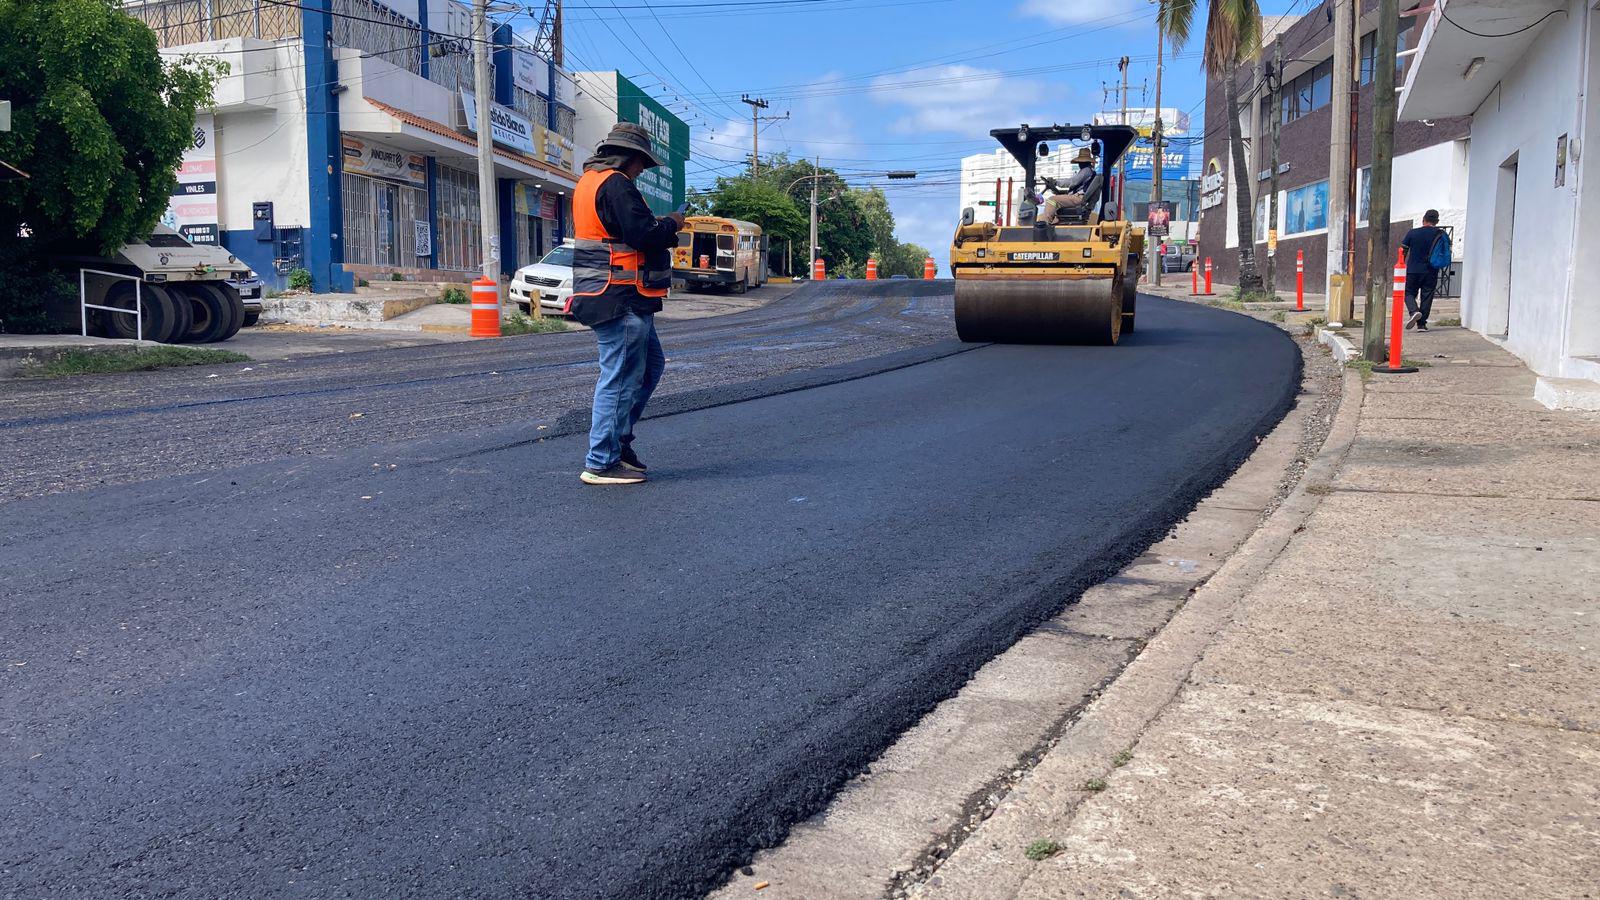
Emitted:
pixel 1081 12
pixel 960 99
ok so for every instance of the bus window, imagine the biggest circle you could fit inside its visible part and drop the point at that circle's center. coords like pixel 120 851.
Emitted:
pixel 685 238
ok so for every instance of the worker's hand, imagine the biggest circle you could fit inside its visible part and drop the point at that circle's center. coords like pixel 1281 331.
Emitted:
pixel 676 217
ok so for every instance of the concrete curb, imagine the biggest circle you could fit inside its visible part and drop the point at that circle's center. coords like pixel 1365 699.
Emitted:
pixel 992 862
pixel 1342 349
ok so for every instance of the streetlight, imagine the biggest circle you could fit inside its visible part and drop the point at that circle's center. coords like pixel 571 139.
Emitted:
pixel 816 174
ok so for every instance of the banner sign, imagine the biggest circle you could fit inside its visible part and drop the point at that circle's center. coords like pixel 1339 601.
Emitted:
pixel 509 128
pixel 1211 186
pixel 1141 162
pixel 548 207
pixel 192 211
pixel 529 72
pixel 663 187
pixel 363 158
pixel 1159 218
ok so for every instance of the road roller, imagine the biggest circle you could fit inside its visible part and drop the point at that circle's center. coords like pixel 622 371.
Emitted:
pixel 1067 272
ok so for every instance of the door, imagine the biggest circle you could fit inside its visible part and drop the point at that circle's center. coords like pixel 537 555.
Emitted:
pixel 388 202
pixel 726 252
pixel 1497 321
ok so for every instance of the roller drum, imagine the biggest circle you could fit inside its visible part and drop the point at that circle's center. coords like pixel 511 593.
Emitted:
pixel 1082 311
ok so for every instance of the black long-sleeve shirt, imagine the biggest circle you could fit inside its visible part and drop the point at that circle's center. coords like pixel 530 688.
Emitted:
pixel 625 215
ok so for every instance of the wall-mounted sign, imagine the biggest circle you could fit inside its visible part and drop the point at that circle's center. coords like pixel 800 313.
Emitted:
pixel 548 208
pixel 377 161
pixel 192 211
pixel 1211 185
pixel 422 237
pixel 529 72
pixel 510 129
pixel 566 90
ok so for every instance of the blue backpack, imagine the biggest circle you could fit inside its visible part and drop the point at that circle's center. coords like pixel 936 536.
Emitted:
pixel 1439 254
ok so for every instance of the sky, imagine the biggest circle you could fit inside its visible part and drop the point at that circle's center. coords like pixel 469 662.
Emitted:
pixel 875 85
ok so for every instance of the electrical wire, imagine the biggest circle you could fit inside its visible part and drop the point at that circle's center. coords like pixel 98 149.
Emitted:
pixel 1536 24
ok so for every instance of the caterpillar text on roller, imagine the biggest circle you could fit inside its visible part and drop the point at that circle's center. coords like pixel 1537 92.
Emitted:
pixel 1067 272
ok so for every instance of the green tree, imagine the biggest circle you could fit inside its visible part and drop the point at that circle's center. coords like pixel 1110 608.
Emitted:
pixel 904 259
pixel 99 121
pixel 844 235
pixel 1233 35
pixel 763 204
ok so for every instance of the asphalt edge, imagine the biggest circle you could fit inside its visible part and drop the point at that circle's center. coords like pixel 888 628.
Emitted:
pixel 943 842
pixel 1117 720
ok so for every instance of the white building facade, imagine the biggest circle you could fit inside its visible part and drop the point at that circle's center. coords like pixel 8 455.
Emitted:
pixel 1529 79
pixel 342 139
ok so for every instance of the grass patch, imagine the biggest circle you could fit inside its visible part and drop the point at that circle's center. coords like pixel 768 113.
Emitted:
pixel 521 324
pixel 1095 784
pixel 1448 322
pixel 1043 849
pixel 127 359
pixel 1234 305
pixel 1122 758
pixel 1280 316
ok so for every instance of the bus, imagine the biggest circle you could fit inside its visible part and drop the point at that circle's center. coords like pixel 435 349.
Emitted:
pixel 714 251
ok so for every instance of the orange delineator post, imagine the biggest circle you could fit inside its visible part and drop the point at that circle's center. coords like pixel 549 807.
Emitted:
pixel 1194 281
pixel 1397 321
pixel 1300 280
pixel 929 269
pixel 872 270
pixel 819 270
pixel 485 308
pixel 1208 276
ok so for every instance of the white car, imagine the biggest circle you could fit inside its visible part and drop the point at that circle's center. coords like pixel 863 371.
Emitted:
pixel 549 281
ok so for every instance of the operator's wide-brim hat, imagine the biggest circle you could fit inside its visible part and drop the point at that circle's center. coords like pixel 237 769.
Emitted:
pixel 633 139
pixel 1085 155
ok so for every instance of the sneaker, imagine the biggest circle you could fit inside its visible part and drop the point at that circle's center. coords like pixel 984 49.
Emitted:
pixel 1422 326
pixel 630 460
pixel 615 473
pixel 1412 320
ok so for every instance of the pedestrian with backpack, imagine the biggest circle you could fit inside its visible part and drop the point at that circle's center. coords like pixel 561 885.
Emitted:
pixel 1427 251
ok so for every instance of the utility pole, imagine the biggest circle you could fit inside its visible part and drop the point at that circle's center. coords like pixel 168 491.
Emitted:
pixel 1274 125
pixel 1122 184
pixel 1340 215
pixel 1383 113
pixel 483 96
pixel 756 106
pixel 1160 152
pixel 816 167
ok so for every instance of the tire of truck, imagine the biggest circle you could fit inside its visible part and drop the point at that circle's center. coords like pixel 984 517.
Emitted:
pixel 250 319
pixel 182 315
pixel 158 309
pixel 210 310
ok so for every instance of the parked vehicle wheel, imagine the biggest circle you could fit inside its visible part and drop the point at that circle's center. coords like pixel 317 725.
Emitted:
pixel 742 285
pixel 236 312
pixel 213 313
pixel 250 319
pixel 158 308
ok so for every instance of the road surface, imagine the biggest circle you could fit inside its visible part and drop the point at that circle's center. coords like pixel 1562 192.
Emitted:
pixel 442 666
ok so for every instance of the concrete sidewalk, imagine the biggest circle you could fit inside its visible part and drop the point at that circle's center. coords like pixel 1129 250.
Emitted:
pixel 1393 689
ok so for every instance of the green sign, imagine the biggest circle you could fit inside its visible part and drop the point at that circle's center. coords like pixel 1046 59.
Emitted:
pixel 663 187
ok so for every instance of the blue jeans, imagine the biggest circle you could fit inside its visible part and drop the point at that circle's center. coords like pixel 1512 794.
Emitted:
pixel 630 367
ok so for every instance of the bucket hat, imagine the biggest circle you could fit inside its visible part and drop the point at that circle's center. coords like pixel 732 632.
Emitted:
pixel 1085 156
pixel 632 138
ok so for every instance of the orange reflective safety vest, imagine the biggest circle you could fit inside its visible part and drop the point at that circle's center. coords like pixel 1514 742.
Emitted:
pixel 600 260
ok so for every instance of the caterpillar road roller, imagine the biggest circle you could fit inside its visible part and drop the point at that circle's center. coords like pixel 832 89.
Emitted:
pixel 1067 272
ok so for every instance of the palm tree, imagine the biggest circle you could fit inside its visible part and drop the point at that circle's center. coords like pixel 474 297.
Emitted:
pixel 1233 34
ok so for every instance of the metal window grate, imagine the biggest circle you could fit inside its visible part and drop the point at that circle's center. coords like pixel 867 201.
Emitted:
pixel 179 22
pixel 377 30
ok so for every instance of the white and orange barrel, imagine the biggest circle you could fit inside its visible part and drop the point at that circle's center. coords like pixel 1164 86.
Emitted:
pixel 485 308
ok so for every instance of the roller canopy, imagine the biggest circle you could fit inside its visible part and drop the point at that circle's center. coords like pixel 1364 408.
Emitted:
pixel 1020 142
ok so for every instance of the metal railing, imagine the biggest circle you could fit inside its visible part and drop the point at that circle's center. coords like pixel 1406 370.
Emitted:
pixel 378 31
pixel 84 305
pixel 179 22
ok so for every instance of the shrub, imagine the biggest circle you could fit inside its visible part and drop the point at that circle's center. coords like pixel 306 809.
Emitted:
pixel 453 295
pixel 300 280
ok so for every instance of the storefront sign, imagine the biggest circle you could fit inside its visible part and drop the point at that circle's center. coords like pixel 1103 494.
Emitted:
pixel 1211 186
pixel 377 161
pixel 548 207
pixel 566 90
pixel 555 149
pixel 192 210
pixel 529 72
pixel 664 187
pixel 1141 162
pixel 510 128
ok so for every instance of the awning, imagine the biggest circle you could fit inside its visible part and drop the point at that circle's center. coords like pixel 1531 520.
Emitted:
pixel 1454 70
pixel 408 131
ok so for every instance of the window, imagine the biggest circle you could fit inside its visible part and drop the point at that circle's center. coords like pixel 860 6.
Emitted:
pixel 380 222
pixel 1369 50
pixel 460 234
pixel 566 121
pixel 1308 92
pixel 1261 220
pixel 1363 195
pixel 531 105
pixel 1306 208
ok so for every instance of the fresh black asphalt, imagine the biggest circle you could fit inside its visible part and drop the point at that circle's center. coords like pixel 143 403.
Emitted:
pixel 446 668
